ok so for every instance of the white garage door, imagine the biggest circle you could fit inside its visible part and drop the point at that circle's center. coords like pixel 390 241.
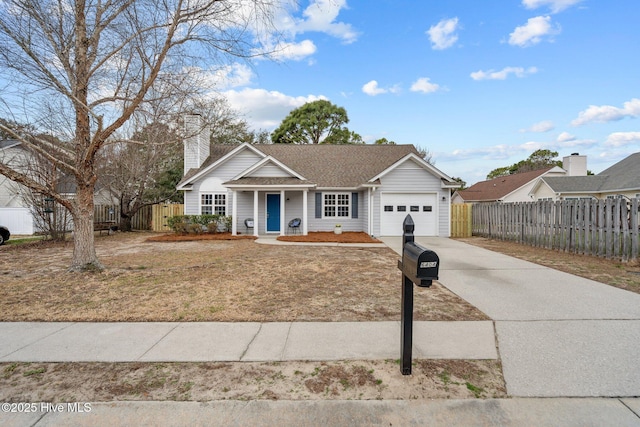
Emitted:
pixel 422 208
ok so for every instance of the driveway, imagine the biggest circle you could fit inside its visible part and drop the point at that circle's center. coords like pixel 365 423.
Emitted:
pixel 557 334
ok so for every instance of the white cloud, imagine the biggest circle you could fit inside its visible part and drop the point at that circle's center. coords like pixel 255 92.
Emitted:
pixel 619 139
pixel 321 16
pixel 371 88
pixel 566 137
pixel 442 35
pixel 555 5
pixel 540 127
pixel 266 109
pixel 608 113
pixel 503 74
pixel 533 31
pixel 222 78
pixel 293 51
pixel 424 85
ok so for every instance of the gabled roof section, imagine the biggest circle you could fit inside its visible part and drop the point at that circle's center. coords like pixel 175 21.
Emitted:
pixel 622 176
pixel 448 181
pixel 269 160
pixel 324 166
pixel 338 166
pixel 575 184
pixel 8 143
pixel 219 154
pixel 498 188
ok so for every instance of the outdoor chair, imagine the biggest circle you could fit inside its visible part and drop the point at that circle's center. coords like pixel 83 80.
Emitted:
pixel 294 225
pixel 248 224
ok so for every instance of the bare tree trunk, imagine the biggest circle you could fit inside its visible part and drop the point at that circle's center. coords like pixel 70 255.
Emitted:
pixel 125 223
pixel 84 252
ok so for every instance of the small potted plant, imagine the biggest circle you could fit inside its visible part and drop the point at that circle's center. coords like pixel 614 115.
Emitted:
pixel 338 229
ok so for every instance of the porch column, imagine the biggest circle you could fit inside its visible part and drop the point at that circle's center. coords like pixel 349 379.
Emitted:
pixel 282 214
pixel 305 214
pixel 234 213
pixel 255 213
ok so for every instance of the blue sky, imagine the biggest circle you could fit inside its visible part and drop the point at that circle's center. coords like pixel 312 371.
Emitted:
pixel 480 84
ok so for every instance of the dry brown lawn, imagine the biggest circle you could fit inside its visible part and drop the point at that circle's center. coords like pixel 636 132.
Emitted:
pixel 208 278
pixel 361 379
pixel 213 280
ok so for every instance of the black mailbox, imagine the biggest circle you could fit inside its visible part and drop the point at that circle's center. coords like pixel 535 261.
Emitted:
pixel 420 264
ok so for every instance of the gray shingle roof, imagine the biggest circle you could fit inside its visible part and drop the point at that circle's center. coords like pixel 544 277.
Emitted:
pixel 624 175
pixel 575 184
pixel 327 166
pixel 339 166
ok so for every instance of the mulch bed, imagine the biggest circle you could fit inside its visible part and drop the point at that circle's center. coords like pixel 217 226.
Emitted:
pixel 175 237
pixel 331 237
pixel 312 237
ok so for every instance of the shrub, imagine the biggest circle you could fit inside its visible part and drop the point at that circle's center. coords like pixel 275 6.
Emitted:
pixel 194 228
pixel 180 227
pixel 227 221
pixel 198 223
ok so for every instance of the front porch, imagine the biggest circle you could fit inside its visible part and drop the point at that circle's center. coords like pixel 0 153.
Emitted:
pixel 271 210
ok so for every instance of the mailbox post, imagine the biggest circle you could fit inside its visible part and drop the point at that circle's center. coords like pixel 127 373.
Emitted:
pixel 420 266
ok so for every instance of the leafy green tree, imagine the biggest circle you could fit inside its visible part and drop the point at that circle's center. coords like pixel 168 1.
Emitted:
pixel 384 141
pixel 315 122
pixel 463 183
pixel 539 159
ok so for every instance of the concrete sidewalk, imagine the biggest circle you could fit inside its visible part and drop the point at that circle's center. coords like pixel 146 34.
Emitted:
pixel 434 413
pixel 240 342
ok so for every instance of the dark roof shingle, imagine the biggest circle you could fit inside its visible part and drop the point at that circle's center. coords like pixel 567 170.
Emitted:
pixel 497 188
pixel 327 166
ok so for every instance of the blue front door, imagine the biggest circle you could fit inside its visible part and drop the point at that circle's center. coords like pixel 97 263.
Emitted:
pixel 273 213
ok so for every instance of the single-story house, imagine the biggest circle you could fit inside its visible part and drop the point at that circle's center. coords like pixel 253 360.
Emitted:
pixel 16 206
pixel 517 187
pixel 620 180
pixel 508 189
pixel 361 187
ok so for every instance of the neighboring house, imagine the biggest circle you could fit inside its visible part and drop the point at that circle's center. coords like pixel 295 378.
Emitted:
pixel 368 188
pixel 510 188
pixel 14 214
pixel 15 211
pixel 620 180
pixel 517 187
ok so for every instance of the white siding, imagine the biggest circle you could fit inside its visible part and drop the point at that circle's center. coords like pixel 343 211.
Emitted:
pixel 270 171
pixel 328 224
pixel 224 172
pixel 412 178
pixel 196 146
pixel 17 220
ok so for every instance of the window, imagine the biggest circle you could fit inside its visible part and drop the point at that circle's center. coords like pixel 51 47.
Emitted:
pixel 401 208
pixel 427 208
pixel 415 208
pixel 213 204
pixel 388 208
pixel 336 205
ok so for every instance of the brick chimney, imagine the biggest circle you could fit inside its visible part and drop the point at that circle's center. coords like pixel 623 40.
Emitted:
pixel 575 165
pixel 196 143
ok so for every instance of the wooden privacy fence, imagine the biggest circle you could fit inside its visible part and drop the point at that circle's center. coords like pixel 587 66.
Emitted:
pixel 461 220
pixel 111 213
pixel 605 228
pixel 161 212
